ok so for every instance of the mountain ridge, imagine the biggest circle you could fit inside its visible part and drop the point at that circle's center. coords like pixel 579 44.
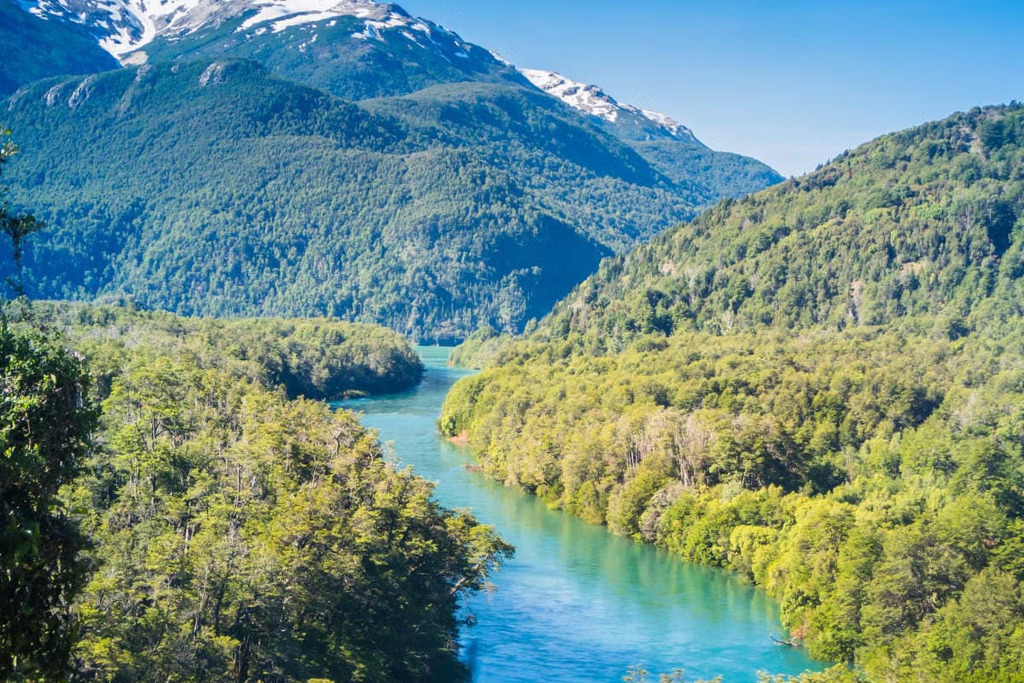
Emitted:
pixel 125 26
pixel 627 121
pixel 132 26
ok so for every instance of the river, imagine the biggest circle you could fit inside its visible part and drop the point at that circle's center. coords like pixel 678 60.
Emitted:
pixel 577 603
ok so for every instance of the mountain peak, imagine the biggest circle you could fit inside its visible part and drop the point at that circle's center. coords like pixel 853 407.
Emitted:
pixel 124 26
pixel 629 121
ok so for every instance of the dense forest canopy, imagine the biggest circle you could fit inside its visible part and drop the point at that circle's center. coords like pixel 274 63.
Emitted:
pixel 235 531
pixel 314 358
pixel 818 386
pixel 279 544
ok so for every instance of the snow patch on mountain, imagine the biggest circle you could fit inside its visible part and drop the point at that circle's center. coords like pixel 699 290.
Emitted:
pixel 590 99
pixel 287 13
pixel 124 26
pixel 667 122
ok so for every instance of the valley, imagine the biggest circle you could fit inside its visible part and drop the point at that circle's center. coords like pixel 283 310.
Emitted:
pixel 577 603
pixel 430 203
pixel 720 425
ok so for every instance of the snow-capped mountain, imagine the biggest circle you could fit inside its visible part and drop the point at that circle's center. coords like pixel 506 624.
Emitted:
pixel 355 49
pixel 131 30
pixel 627 121
pixel 125 26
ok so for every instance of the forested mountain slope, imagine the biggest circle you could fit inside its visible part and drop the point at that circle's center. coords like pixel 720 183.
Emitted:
pixel 670 146
pixel 452 194
pixel 818 386
pixel 917 223
pixel 242 194
pixel 31 49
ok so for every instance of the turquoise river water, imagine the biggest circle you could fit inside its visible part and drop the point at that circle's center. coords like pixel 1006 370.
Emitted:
pixel 577 603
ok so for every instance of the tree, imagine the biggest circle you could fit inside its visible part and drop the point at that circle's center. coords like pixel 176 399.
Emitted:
pixel 45 423
pixel 15 226
pixel 44 436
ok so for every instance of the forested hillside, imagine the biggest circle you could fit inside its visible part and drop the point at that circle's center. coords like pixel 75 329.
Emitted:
pixel 242 194
pixel 310 358
pixel 818 386
pixel 234 532
pixel 917 223
pixel 31 49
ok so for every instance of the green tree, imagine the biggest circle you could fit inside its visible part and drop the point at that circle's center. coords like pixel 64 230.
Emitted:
pixel 44 436
pixel 16 226
pixel 45 423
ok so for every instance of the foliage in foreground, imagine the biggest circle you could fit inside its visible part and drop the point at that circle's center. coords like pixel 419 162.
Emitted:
pixel 44 439
pixel 232 533
pixel 241 535
pixel 820 387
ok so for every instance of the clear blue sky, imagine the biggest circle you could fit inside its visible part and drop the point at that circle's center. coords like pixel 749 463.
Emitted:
pixel 791 82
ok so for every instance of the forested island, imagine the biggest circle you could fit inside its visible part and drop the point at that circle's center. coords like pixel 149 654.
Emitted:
pixel 818 386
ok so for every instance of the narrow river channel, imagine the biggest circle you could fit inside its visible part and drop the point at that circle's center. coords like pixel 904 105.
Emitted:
pixel 577 603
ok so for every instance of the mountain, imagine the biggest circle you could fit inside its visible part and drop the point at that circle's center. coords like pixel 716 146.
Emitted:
pixel 624 120
pixel 353 48
pixel 31 49
pixel 443 192
pixel 240 193
pixel 818 386
pixel 358 49
pixel 923 222
pixel 668 145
